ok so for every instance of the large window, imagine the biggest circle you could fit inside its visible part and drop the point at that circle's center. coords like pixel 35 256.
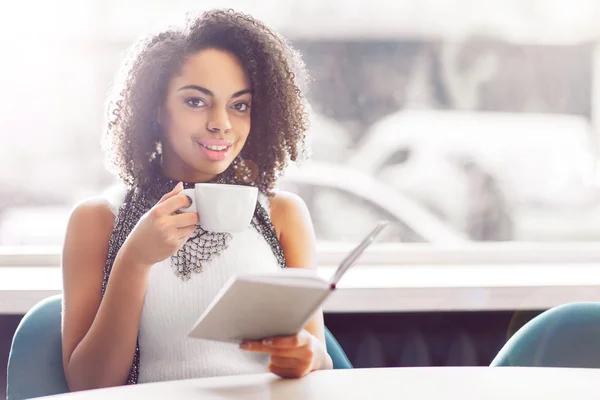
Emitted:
pixel 464 127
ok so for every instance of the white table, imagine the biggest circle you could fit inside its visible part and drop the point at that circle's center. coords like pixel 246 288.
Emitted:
pixel 393 383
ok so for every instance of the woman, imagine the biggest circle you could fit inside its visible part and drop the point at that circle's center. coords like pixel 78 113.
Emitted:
pixel 218 100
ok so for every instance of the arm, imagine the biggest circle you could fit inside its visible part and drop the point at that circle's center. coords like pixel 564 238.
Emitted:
pixel 98 336
pixel 293 225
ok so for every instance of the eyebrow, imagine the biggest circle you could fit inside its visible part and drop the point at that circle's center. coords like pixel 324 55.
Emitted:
pixel 209 93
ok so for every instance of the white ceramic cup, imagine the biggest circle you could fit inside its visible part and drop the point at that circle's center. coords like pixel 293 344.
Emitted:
pixel 222 208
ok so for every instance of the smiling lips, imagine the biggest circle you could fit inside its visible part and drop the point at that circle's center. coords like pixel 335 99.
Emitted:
pixel 215 149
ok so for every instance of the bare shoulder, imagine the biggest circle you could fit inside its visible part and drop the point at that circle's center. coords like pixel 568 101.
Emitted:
pixel 286 199
pixel 88 232
pixel 293 224
pixel 287 209
pixel 95 212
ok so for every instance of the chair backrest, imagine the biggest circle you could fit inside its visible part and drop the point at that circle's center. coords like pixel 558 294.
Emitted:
pixel 565 336
pixel 335 351
pixel 35 366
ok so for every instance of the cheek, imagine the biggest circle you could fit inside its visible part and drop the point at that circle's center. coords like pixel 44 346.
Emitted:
pixel 181 125
pixel 242 127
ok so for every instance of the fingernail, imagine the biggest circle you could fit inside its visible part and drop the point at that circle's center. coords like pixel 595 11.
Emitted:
pixel 267 342
pixel 244 346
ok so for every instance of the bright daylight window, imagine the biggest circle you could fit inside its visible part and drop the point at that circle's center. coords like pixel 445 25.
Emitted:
pixel 479 128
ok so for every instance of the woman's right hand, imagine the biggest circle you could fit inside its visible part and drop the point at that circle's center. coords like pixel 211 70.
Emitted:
pixel 160 232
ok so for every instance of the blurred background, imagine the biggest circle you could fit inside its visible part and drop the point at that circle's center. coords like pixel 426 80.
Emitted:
pixel 463 119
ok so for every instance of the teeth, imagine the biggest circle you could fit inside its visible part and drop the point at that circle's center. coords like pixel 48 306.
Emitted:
pixel 217 148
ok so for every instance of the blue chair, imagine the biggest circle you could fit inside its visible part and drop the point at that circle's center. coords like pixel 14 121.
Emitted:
pixel 335 351
pixel 35 366
pixel 566 336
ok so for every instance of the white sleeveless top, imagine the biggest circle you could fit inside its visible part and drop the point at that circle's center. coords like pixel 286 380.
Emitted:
pixel 172 306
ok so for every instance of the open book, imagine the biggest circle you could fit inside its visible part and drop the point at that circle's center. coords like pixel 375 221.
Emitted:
pixel 254 307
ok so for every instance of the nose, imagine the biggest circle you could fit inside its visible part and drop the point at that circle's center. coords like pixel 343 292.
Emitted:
pixel 218 121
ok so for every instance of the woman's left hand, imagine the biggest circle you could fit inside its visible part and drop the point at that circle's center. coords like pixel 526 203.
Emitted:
pixel 291 356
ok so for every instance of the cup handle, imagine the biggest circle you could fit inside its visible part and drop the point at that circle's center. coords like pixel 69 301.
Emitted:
pixel 190 195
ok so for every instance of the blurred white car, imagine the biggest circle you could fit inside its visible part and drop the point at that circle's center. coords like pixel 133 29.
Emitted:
pixel 345 204
pixel 525 161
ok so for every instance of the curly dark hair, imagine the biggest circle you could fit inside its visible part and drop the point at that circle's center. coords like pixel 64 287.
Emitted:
pixel 276 72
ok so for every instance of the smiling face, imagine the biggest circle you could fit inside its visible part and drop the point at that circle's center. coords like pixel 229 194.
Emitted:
pixel 205 117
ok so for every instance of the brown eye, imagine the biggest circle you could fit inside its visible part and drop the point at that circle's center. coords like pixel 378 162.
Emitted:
pixel 242 107
pixel 195 102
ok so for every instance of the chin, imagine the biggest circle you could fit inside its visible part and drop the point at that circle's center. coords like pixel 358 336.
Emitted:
pixel 213 168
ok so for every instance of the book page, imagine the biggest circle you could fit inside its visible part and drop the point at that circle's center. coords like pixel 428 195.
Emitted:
pixel 305 277
pixel 254 310
pixel 357 252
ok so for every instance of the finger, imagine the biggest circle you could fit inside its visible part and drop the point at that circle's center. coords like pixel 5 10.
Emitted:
pixel 290 363
pixel 287 373
pixel 185 219
pixel 258 347
pixel 173 204
pixel 288 342
pixel 185 232
pixel 178 188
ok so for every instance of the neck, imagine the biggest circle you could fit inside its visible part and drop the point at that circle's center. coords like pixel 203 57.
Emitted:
pixel 180 172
